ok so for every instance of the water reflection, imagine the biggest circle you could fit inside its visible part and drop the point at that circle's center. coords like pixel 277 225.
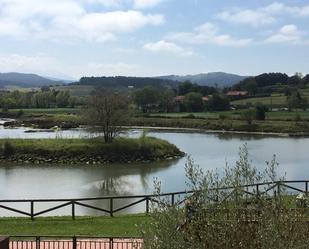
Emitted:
pixel 210 151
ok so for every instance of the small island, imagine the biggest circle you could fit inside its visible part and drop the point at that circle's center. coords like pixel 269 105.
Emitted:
pixel 87 151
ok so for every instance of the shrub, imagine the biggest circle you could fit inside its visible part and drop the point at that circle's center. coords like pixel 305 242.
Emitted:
pixel 7 149
pixel 260 111
pixel 248 116
pixel 227 218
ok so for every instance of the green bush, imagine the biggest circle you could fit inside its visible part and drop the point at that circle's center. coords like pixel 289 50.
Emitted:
pixel 228 218
pixel 7 149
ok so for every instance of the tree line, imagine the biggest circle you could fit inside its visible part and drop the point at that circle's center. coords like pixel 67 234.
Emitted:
pixel 45 98
pixel 187 97
pixel 268 83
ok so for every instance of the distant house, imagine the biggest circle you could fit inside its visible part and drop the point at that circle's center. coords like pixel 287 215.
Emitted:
pixel 237 94
pixel 179 99
pixel 205 99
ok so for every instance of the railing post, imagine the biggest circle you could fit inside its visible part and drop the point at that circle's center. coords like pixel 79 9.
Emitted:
pixel 32 210
pixel 73 210
pixel 111 243
pixel 111 207
pixel 306 187
pixel 278 188
pixel 4 242
pixel 147 205
pixel 38 242
pixel 257 190
pixel 74 242
pixel 173 199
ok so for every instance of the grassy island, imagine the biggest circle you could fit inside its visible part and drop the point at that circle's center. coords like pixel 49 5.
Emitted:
pixel 89 151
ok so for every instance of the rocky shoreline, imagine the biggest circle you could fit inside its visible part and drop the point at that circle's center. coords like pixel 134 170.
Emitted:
pixel 39 160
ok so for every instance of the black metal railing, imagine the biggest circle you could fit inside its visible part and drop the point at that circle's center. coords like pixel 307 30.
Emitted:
pixel 64 242
pixel 175 198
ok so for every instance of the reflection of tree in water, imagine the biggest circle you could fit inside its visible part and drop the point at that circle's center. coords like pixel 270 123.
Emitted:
pixel 127 180
pixel 241 137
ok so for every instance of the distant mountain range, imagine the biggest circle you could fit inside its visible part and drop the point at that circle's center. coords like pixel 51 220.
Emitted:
pixel 26 80
pixel 219 79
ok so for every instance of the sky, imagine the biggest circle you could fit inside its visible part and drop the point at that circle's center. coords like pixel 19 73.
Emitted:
pixel 75 38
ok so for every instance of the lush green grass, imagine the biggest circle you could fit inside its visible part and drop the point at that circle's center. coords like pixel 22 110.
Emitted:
pixel 127 225
pixel 235 115
pixel 47 110
pixel 275 100
pixel 76 90
pixel 87 150
pixel 277 126
pixel 208 115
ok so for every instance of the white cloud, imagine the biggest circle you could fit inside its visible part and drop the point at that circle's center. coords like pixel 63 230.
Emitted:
pixel 107 69
pixel 142 4
pixel 262 16
pixel 60 19
pixel 208 33
pixel 167 47
pixel 39 64
pixel 108 3
pixel 45 65
pixel 287 34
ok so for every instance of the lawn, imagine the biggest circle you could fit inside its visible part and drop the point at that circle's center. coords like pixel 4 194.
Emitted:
pixel 47 110
pixel 127 225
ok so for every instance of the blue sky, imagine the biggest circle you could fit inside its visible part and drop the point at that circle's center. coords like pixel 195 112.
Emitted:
pixel 74 38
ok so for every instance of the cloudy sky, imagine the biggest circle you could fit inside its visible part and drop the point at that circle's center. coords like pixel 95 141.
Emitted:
pixel 73 38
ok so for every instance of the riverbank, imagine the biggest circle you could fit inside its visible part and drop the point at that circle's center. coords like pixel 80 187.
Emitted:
pixel 287 123
pixel 272 127
pixel 126 225
pixel 86 151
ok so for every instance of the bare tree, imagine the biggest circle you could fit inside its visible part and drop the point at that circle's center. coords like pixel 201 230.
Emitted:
pixel 108 111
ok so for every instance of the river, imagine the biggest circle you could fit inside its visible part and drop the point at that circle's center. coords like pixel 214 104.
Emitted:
pixel 210 151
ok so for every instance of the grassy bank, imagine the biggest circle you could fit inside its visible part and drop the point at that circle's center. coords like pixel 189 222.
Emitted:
pixel 276 126
pixel 127 225
pixel 90 151
pixel 293 122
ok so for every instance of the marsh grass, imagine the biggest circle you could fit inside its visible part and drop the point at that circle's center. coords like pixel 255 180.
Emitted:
pixel 122 149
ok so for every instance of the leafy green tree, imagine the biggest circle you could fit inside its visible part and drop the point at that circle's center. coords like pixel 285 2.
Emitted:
pixel 147 98
pixel 248 116
pixel 297 101
pixel 167 100
pixel 62 99
pixel 218 102
pixel 194 102
pixel 260 111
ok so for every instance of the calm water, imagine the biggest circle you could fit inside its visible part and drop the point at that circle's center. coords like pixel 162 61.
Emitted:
pixel 210 151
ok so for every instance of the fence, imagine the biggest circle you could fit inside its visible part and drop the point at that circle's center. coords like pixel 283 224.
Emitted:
pixel 253 190
pixel 60 242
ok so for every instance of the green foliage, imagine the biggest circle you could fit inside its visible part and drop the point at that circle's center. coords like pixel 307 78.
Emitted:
pixel 295 100
pixel 193 102
pixel 188 87
pixel 126 225
pixel 219 218
pixel 94 149
pixel 147 98
pixel 46 98
pixel 218 102
pixel 260 111
pixel 7 149
pixel 248 116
